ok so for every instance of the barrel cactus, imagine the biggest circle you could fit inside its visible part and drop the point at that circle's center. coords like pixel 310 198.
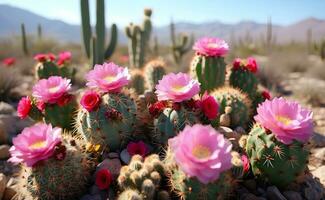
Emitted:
pixel 154 71
pixel 138 82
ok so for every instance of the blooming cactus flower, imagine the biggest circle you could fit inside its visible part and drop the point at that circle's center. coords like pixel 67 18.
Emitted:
pixel 209 106
pixel 209 46
pixel 287 120
pixel 52 89
pixel 104 179
pixel 108 77
pixel 90 100
pixel 201 151
pixel 24 107
pixel 9 61
pixel 64 57
pixel 177 87
pixel 139 148
pixel 248 64
pixel 34 144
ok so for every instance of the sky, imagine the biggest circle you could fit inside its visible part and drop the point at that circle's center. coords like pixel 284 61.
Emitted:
pixel 122 12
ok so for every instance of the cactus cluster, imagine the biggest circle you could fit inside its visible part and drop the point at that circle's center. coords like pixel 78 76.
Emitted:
pixel 65 176
pixel 49 68
pixel 139 37
pixel 142 180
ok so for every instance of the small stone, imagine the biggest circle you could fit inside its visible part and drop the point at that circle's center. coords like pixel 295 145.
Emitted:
pixel 113 155
pixel 292 195
pixel 4 151
pixel 3 133
pixel 260 191
pixel 91 197
pixel 10 192
pixel 273 193
pixel 94 190
pixel 6 108
pixel 3 183
pixel 250 184
pixel 248 196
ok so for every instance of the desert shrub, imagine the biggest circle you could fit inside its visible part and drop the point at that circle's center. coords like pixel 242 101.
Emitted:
pixel 317 71
pixel 311 91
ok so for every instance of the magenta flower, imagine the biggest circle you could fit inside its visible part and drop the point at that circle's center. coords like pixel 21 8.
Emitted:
pixel 287 120
pixel 177 87
pixel 202 152
pixel 24 107
pixel 52 89
pixel 108 77
pixel 9 61
pixel 139 148
pixel 211 47
pixel 34 144
pixel 246 64
pixel 64 57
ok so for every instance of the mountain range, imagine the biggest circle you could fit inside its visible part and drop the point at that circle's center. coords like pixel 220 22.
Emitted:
pixel 11 18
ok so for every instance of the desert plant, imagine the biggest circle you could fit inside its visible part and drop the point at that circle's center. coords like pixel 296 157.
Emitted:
pixel 24 39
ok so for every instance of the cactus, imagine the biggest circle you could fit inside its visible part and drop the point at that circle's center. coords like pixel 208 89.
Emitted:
pixel 100 54
pixel 57 179
pixel 210 71
pixel 24 39
pixel 111 125
pixel 245 80
pixel 139 37
pixel 191 189
pixel 181 44
pixel 154 71
pixel 171 121
pixel 141 180
pixel 44 70
pixel 235 107
pixel 138 81
pixel 273 161
pixel 322 50
pixel 39 32
pixel 156 46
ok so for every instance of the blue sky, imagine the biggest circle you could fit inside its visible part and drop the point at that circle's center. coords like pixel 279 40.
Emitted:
pixel 229 11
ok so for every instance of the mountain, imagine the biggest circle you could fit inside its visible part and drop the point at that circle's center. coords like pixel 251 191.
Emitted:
pixel 12 17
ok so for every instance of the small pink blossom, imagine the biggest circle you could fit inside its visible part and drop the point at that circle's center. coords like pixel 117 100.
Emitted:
pixel 209 46
pixel 64 57
pixel 24 107
pixel 287 120
pixel 9 61
pixel 246 64
pixel 51 90
pixel 90 100
pixel 108 77
pixel 139 148
pixel 201 152
pixel 177 87
pixel 34 144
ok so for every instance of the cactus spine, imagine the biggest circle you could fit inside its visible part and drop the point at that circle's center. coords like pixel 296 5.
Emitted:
pixel 139 37
pixel 100 54
pixel 181 44
pixel 24 39
pixel 273 161
pixel 138 82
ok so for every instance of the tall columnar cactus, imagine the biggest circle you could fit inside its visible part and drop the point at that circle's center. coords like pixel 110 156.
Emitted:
pixel 234 107
pixel 24 39
pixel 111 125
pixel 270 39
pixel 100 54
pixel 63 177
pixel 39 31
pixel 142 180
pixel 273 161
pixel 139 37
pixel 322 50
pixel 138 81
pixel 154 71
pixel 181 44
pixel 208 65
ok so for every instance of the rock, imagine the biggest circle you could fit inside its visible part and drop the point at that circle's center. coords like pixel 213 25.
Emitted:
pixel 273 193
pixel 260 191
pixel 6 108
pixel 3 133
pixel 250 184
pixel 249 196
pixel 91 197
pixel 4 151
pixel 9 193
pixel 320 173
pixel 3 183
pixel 12 125
pixel 318 140
pixel 313 189
pixel 292 195
pixel 113 165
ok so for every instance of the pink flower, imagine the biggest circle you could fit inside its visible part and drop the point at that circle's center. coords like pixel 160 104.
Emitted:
pixel 211 47
pixel 287 120
pixel 209 106
pixel 40 106
pixel 246 165
pixel 266 94
pixel 246 64
pixel 139 148
pixel 90 100
pixel 24 107
pixel 157 108
pixel 104 179
pixel 201 151
pixel 177 87
pixel 34 144
pixel 41 57
pixel 64 57
pixel 52 89
pixel 51 56
pixel 9 61
pixel 252 65
pixel 108 77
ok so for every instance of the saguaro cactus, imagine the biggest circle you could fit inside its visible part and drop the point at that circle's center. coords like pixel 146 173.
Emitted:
pixel 39 31
pixel 24 39
pixel 180 44
pixel 139 37
pixel 100 53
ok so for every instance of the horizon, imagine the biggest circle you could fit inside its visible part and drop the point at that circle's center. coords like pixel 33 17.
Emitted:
pixel 69 11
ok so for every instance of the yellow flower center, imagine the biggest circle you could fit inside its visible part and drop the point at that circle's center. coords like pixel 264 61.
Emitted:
pixel 54 89
pixel 38 144
pixel 178 88
pixel 110 78
pixel 243 62
pixel 201 152
pixel 283 119
pixel 213 45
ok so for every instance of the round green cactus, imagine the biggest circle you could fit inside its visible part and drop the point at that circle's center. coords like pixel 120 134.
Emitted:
pixel 273 161
pixel 245 80
pixel 154 70
pixel 46 69
pixel 111 125
pixel 57 179
pixel 234 107
pixel 138 82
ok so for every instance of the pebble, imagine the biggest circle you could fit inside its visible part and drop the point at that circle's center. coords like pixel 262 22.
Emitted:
pixel 250 184
pixel 3 183
pixel 249 196
pixel 292 195
pixel 3 133
pixel 4 151
pixel 273 193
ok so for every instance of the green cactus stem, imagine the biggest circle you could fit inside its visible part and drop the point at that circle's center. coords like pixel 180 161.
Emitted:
pixel 24 39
